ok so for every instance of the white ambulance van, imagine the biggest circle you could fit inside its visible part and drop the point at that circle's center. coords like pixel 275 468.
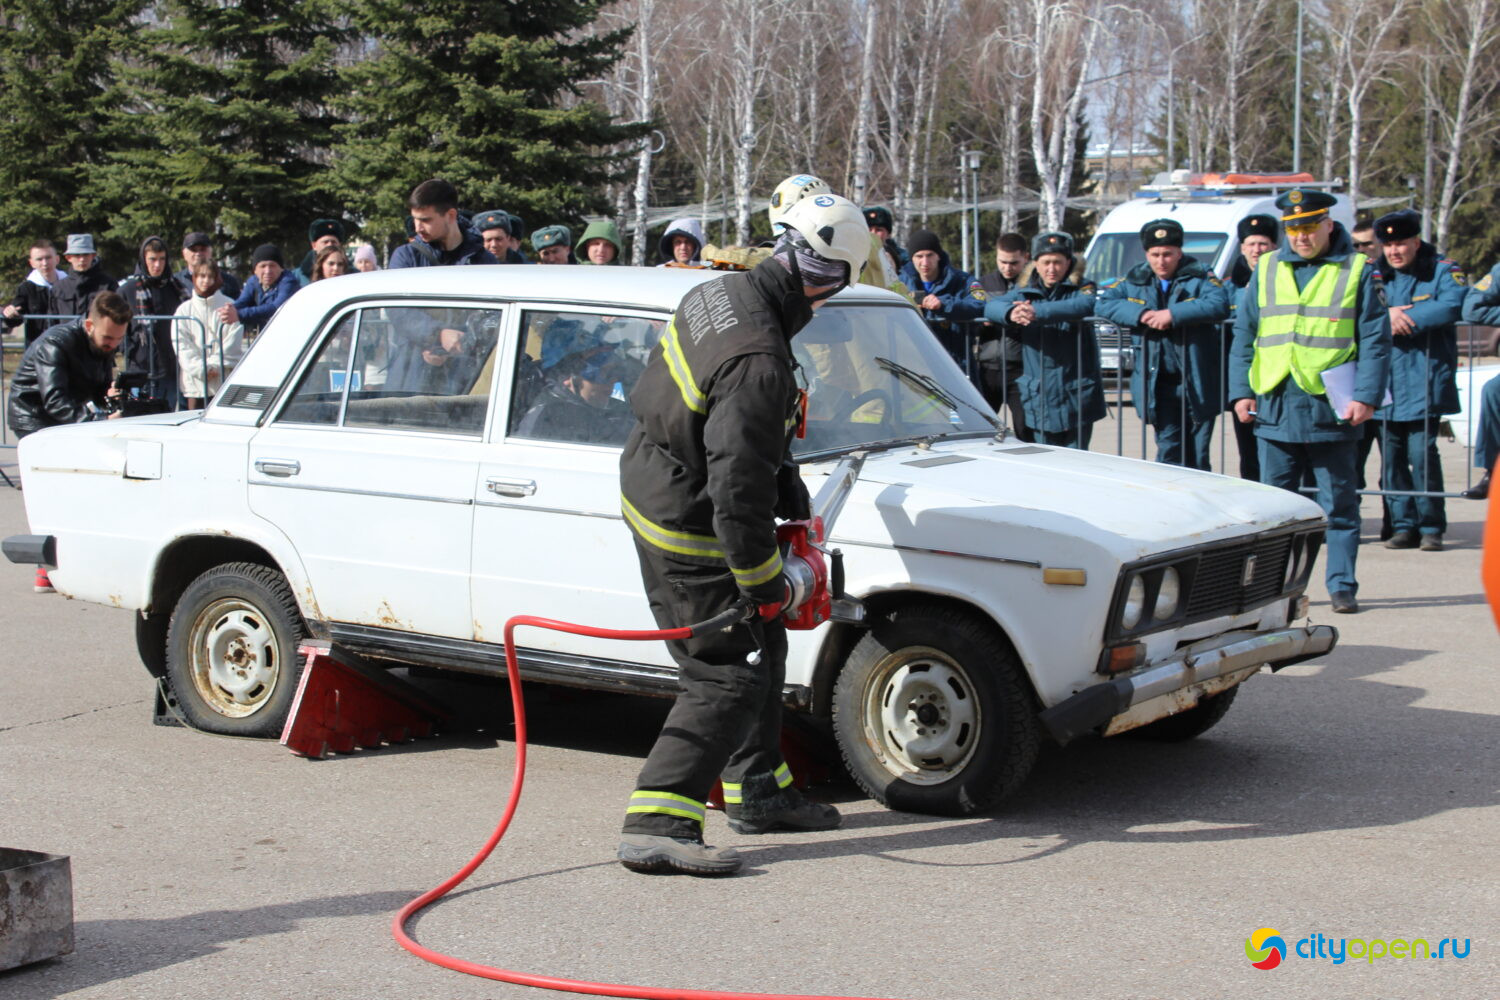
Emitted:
pixel 1209 208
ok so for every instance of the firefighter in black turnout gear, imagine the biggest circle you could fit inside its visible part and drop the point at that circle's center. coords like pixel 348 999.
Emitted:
pixel 703 478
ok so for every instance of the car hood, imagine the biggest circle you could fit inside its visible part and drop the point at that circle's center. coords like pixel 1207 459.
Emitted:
pixel 931 498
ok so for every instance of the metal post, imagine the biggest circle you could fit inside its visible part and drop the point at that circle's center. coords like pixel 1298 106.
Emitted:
pixel 963 217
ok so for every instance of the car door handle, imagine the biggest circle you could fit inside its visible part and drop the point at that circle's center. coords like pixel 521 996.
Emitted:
pixel 511 487
pixel 280 467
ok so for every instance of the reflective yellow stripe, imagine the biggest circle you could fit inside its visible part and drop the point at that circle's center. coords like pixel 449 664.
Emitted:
pixel 680 542
pixel 682 374
pixel 768 570
pixel 665 811
pixel 732 792
pixel 783 775
pixel 667 804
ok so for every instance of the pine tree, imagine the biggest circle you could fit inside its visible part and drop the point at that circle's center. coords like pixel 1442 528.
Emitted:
pixel 58 99
pixel 234 126
pixel 485 94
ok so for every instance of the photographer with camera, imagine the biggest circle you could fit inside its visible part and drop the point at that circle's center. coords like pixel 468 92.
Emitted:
pixel 65 376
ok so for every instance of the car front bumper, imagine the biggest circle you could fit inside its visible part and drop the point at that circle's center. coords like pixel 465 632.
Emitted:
pixel 1177 683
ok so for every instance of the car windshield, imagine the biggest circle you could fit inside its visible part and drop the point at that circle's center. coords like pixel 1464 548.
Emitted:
pixel 875 374
pixel 1114 254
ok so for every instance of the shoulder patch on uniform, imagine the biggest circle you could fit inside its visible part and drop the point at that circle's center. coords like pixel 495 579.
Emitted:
pixel 1457 271
pixel 1379 289
pixel 978 292
pixel 1485 282
pixel 1087 288
pixel 1213 279
pixel 1115 283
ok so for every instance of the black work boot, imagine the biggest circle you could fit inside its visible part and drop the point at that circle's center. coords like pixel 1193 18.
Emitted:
pixel 1403 539
pixel 1479 491
pixel 764 806
pixel 641 852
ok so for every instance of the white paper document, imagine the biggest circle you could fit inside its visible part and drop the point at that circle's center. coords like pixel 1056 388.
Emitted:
pixel 1339 384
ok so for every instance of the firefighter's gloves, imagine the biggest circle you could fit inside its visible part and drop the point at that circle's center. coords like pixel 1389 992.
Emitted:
pixel 792 500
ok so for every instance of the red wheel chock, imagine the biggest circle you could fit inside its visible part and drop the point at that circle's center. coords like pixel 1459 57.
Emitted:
pixel 343 703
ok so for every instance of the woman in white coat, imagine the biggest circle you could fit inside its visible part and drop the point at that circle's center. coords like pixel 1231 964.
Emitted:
pixel 206 353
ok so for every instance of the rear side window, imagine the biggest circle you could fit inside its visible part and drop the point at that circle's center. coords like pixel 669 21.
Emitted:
pixel 574 373
pixel 402 368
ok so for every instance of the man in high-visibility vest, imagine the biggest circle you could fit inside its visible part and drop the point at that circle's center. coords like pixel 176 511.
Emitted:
pixel 1313 307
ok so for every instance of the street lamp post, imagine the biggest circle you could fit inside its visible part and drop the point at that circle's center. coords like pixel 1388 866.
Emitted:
pixel 971 161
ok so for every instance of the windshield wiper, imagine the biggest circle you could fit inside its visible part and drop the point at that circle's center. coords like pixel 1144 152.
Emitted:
pixel 930 385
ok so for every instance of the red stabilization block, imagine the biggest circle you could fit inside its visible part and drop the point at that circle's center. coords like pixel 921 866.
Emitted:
pixel 343 704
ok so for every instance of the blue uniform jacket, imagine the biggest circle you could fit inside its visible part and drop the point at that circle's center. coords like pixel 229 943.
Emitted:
pixel 1287 413
pixel 1193 345
pixel 257 304
pixel 1059 357
pixel 1482 303
pixel 416 253
pixel 952 289
pixel 1433 287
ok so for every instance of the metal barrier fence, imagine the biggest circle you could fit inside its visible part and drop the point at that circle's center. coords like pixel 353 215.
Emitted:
pixel 144 325
pixel 1116 356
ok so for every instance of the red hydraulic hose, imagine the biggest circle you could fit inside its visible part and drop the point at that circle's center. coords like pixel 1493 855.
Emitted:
pixel 398 925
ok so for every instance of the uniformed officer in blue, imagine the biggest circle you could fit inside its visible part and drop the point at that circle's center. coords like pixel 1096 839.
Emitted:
pixel 1059 384
pixel 1482 305
pixel 1310 308
pixel 1258 234
pixel 1425 293
pixel 1173 305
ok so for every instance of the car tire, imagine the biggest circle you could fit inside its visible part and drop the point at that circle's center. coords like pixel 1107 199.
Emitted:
pixel 933 713
pixel 232 658
pixel 1190 723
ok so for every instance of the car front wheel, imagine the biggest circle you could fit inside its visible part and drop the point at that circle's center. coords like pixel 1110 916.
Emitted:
pixel 934 715
pixel 232 656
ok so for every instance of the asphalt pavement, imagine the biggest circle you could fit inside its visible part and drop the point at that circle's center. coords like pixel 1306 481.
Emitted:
pixel 1353 798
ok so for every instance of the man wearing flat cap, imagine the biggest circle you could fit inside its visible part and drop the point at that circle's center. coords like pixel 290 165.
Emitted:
pixel 1172 305
pixel 1061 393
pixel 198 248
pixel 1313 317
pixel 1425 293
pixel 322 233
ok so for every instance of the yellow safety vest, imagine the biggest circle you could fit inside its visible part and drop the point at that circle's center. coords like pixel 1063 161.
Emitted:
pixel 1304 333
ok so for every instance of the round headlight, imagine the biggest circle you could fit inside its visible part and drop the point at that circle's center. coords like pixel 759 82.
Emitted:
pixel 1168 597
pixel 1135 603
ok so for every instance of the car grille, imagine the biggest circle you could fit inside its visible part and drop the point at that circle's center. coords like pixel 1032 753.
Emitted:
pixel 1219 585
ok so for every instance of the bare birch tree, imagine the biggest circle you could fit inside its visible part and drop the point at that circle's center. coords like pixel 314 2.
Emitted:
pixel 1359 34
pixel 1466 35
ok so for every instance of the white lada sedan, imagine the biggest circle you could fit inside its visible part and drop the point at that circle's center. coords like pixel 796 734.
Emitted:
pixel 405 459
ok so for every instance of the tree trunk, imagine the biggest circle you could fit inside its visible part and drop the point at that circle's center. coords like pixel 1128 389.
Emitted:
pixel 866 115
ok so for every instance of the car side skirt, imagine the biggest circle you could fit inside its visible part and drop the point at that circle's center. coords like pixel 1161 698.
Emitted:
pixel 545 666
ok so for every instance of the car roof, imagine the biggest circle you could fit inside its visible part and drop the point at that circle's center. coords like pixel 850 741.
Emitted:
pixel 623 286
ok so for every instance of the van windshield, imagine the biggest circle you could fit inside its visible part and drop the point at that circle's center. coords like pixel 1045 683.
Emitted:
pixel 1114 254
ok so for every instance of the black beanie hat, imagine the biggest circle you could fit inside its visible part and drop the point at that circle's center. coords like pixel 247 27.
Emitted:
pixel 266 251
pixel 923 239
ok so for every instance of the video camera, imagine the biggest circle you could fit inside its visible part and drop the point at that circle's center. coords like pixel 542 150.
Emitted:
pixel 130 402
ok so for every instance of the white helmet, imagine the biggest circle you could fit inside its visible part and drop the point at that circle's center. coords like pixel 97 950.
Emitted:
pixel 788 193
pixel 833 228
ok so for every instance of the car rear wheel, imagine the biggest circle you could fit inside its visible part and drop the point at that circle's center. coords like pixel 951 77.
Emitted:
pixel 232 656
pixel 933 714
pixel 1187 724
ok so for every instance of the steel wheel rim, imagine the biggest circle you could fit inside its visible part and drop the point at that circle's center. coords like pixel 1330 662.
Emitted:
pixel 921 715
pixel 236 657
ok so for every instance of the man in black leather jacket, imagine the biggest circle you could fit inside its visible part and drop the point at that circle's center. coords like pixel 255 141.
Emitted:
pixel 68 368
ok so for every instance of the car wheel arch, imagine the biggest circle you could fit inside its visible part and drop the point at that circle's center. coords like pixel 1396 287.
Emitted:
pixel 842 639
pixel 181 562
